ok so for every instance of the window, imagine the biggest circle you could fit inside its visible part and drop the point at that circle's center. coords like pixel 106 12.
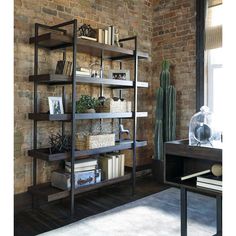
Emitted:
pixel 214 59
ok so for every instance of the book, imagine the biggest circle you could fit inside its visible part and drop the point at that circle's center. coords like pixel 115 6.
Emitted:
pixel 100 36
pixel 105 36
pixel 209 186
pixel 88 38
pixel 105 163
pixel 109 35
pixel 84 168
pixel 195 174
pixel 112 34
pixel 60 67
pixel 82 73
pixel 122 164
pixel 210 179
pixel 83 162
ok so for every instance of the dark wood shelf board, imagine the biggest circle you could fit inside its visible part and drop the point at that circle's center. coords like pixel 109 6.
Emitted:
pixel 49 193
pixel 181 148
pixel 84 116
pixel 191 185
pixel 62 79
pixel 44 154
pixel 55 41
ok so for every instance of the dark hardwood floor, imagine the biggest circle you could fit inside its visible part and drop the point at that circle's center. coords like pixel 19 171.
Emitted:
pixel 54 215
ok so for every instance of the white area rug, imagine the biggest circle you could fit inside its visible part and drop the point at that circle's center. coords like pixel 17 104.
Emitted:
pixel 155 215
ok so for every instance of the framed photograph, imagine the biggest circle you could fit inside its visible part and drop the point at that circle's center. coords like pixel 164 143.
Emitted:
pixel 119 74
pixel 55 105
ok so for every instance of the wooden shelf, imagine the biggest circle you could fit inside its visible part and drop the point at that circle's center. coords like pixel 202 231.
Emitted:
pixel 55 40
pixel 191 185
pixel 46 192
pixel 62 79
pixel 44 153
pixel 181 148
pixel 84 116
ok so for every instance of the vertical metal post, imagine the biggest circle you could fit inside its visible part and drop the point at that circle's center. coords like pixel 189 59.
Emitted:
pixel 135 114
pixel 120 96
pixel 72 192
pixel 101 71
pixel 63 96
pixel 219 214
pixel 183 203
pixel 35 101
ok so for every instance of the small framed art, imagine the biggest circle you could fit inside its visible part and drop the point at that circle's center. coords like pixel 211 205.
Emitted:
pixel 119 74
pixel 55 105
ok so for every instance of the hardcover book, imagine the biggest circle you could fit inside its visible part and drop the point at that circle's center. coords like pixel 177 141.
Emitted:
pixel 210 179
pixel 83 163
pixel 209 186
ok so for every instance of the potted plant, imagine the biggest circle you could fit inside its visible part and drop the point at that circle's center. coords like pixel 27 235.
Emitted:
pixel 86 104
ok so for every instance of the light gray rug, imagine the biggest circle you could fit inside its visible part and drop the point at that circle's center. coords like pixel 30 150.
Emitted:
pixel 155 215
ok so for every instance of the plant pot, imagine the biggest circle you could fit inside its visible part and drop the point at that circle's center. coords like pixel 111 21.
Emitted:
pixel 158 171
pixel 90 110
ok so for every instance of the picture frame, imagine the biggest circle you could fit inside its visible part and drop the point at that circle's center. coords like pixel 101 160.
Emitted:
pixel 55 105
pixel 119 74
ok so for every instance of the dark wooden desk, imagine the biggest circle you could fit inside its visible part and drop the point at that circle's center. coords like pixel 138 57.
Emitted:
pixel 181 160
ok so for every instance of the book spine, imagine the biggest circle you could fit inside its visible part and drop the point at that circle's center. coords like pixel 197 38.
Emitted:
pixel 105 36
pixel 209 186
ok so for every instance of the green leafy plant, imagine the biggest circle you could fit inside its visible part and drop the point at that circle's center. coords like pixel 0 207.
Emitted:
pixel 86 102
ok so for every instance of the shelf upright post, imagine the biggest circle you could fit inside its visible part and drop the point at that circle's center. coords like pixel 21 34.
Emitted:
pixel 63 93
pixel 72 192
pixel 120 96
pixel 35 106
pixel 135 114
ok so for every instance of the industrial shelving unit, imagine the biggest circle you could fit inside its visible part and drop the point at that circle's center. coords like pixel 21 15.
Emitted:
pixel 55 41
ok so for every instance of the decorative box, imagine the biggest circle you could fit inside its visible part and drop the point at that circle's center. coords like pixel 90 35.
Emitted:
pixel 115 106
pixel 61 179
pixel 95 141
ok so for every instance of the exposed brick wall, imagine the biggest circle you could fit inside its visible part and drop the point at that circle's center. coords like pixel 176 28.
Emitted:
pixel 165 29
pixel 174 39
pixel 130 16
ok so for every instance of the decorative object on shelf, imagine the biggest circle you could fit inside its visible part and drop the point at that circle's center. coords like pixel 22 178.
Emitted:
pixel 116 37
pixel 87 32
pixel 201 131
pixel 94 141
pixel 95 70
pixel 216 170
pixel 119 74
pixel 64 67
pixel 55 105
pixel 165 124
pixel 101 100
pixel 61 179
pixel 86 103
pixel 123 131
pixel 59 143
pixel 114 105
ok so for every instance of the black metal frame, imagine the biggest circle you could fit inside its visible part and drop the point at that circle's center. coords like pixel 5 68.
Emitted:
pixel 200 36
pixel 73 117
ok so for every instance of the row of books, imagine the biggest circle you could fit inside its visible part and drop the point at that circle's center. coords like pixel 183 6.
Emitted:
pixel 64 67
pixel 210 181
pixel 83 72
pixel 112 165
pixel 107 35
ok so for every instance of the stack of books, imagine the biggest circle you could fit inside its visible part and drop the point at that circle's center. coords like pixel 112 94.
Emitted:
pixel 85 173
pixel 83 72
pixel 106 35
pixel 82 165
pixel 210 181
pixel 64 68
pixel 112 165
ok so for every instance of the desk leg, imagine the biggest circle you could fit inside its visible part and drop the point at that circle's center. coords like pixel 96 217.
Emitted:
pixel 219 214
pixel 183 201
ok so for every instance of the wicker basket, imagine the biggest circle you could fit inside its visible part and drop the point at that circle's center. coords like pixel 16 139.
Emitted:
pixel 115 106
pixel 94 141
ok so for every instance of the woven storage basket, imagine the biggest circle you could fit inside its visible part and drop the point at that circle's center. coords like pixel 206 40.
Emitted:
pixel 95 141
pixel 115 106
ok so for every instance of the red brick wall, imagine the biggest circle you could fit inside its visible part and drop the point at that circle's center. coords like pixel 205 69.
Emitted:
pixel 165 29
pixel 174 39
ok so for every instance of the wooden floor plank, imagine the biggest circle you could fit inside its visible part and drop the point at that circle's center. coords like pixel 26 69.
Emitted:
pixel 54 215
